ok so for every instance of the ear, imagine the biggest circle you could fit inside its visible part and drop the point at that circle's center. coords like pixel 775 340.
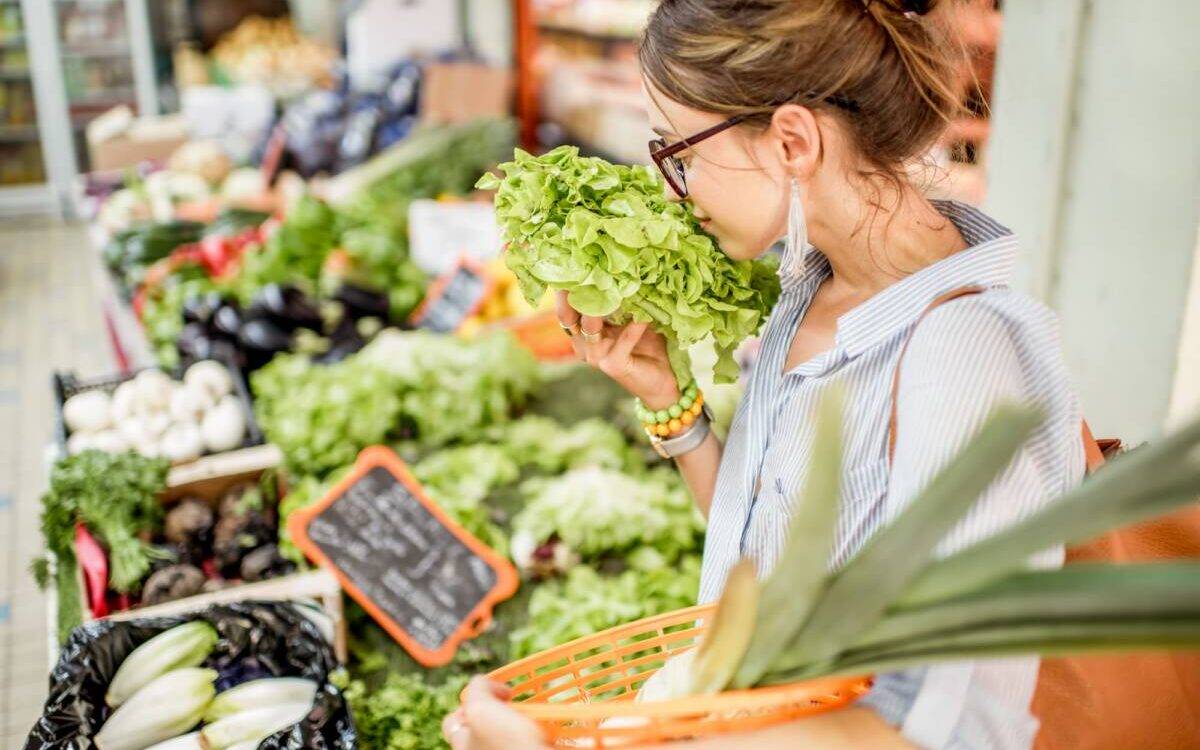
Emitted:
pixel 797 139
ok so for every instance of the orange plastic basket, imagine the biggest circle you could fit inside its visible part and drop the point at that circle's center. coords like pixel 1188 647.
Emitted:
pixel 573 691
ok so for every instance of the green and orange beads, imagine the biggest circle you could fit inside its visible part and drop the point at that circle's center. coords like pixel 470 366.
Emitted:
pixel 676 418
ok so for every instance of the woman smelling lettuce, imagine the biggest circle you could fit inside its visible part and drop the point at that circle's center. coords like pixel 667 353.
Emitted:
pixel 797 118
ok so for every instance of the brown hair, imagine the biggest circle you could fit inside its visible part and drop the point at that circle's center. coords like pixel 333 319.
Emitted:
pixel 887 57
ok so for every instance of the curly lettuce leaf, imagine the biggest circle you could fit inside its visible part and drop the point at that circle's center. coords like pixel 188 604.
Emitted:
pixel 600 512
pixel 608 235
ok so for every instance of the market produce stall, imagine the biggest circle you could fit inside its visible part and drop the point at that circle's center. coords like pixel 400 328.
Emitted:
pixel 318 317
pixel 330 416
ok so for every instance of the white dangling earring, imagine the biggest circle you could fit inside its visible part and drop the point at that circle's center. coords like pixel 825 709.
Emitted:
pixel 795 249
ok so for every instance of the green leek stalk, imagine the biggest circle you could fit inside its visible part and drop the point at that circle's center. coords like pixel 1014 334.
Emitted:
pixel 894 605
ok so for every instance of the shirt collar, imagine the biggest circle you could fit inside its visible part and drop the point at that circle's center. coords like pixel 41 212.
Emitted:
pixel 988 261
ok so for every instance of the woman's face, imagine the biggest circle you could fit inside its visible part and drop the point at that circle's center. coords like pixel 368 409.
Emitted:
pixel 734 181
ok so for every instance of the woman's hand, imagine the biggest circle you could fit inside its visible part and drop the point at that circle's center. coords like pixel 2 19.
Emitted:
pixel 486 721
pixel 632 355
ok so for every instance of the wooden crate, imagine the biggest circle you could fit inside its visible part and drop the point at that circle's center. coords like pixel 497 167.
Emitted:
pixel 208 478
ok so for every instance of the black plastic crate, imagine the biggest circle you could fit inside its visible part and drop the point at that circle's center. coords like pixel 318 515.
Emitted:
pixel 67 384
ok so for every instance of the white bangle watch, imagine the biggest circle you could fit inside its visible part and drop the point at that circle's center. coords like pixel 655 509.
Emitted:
pixel 686 442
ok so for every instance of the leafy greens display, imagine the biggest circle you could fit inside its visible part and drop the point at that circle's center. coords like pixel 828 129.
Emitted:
pixel 436 389
pixel 597 512
pixel 608 235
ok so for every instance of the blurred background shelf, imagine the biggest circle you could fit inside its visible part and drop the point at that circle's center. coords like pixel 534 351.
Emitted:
pixel 18 133
pixel 115 48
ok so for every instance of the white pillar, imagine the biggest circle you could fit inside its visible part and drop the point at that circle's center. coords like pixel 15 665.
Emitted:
pixel 1095 161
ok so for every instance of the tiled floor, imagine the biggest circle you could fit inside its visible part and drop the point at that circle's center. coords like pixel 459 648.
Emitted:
pixel 49 319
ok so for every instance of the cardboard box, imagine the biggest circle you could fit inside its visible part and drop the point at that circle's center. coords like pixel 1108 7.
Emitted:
pixel 460 92
pixel 125 150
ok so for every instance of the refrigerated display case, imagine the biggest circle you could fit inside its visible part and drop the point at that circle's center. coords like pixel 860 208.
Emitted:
pixel 107 61
pixel 23 174
pixel 63 63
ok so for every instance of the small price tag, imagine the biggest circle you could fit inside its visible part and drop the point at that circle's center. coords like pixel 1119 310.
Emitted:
pixel 453 298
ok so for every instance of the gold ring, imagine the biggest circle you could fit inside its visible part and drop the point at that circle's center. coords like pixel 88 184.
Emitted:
pixel 589 337
pixel 568 329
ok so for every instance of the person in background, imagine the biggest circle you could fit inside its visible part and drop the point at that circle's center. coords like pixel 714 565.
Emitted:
pixel 801 118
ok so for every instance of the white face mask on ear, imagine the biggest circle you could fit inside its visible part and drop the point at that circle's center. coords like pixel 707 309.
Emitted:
pixel 795 248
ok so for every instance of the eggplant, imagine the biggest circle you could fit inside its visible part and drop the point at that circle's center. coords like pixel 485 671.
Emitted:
pixel 194 342
pixel 361 302
pixel 345 340
pixel 171 583
pixel 200 308
pixel 227 320
pixel 264 336
pixel 224 350
pixel 290 308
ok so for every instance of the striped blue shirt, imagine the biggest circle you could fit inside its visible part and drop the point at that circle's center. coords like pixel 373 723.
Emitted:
pixel 966 357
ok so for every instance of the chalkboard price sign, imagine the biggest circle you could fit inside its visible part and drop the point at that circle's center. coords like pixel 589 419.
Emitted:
pixel 453 298
pixel 424 578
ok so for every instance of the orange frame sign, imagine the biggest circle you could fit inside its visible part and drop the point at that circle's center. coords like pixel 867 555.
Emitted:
pixel 438 288
pixel 474 623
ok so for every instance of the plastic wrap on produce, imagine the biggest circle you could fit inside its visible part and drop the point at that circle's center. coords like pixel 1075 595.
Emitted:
pixel 258 639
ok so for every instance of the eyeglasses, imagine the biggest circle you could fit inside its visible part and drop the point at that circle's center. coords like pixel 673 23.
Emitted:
pixel 672 167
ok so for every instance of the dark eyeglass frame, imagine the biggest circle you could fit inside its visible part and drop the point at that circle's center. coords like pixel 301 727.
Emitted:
pixel 671 166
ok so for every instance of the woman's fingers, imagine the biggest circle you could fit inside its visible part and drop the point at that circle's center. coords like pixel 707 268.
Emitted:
pixel 621 350
pixel 595 339
pixel 455 730
pixel 590 325
pixel 491 723
pixel 568 316
pixel 481 688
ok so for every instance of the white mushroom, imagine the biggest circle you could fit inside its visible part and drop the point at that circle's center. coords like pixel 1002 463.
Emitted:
pixel 189 402
pixel 149 448
pixel 133 430
pixel 124 401
pixel 182 442
pixel 80 442
pixel 153 391
pixel 224 425
pixel 89 411
pixel 156 424
pixel 210 376
pixel 110 441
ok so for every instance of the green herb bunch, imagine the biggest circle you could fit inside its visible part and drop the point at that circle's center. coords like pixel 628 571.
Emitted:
pixel 115 497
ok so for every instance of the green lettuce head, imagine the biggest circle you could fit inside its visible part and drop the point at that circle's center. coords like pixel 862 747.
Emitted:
pixel 607 234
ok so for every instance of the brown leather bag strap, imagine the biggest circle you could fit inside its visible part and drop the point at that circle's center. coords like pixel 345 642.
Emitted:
pixel 1093 449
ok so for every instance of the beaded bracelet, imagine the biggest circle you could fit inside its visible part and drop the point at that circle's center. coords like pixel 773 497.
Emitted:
pixel 674 419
